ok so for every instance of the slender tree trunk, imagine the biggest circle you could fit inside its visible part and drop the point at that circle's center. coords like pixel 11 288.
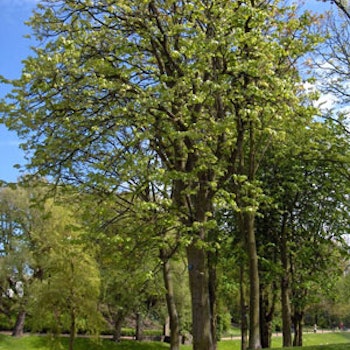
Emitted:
pixel 286 312
pixel 263 323
pixel 171 305
pixel 72 330
pixel 298 328
pixel 201 317
pixel 19 325
pixel 285 288
pixel 212 297
pixel 266 333
pixel 267 307
pixel 244 311
pixel 254 308
pixel 139 327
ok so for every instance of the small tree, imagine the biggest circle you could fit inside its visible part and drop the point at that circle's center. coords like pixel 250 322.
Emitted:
pixel 18 268
pixel 68 292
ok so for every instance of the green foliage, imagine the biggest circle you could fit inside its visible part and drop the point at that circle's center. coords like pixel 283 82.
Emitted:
pixel 20 218
pixel 46 254
pixel 111 100
pixel 127 255
pixel 69 288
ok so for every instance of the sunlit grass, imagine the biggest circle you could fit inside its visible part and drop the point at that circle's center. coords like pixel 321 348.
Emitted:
pixel 311 341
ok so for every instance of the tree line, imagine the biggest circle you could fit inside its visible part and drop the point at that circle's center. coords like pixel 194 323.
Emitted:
pixel 187 129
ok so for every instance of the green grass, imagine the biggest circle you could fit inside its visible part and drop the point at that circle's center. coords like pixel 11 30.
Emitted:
pixel 43 343
pixel 311 341
pixel 319 341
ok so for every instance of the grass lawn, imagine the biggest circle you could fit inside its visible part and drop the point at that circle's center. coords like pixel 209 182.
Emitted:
pixel 319 341
pixel 43 343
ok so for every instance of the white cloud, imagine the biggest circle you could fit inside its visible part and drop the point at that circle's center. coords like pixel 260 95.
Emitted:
pixel 326 102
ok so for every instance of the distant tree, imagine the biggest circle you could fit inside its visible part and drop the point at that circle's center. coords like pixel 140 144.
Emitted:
pixel 128 259
pixel 306 216
pixel 67 294
pixel 342 5
pixel 18 268
pixel 45 263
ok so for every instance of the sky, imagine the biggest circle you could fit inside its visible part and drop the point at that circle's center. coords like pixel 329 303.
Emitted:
pixel 14 49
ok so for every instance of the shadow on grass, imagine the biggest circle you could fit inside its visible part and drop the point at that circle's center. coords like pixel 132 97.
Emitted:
pixel 107 344
pixel 26 342
pixel 47 343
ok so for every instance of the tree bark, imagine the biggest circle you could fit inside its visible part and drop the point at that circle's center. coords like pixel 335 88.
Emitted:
pixel 72 330
pixel 118 322
pixel 198 205
pixel 171 305
pixel 286 312
pixel 212 258
pixel 254 308
pixel 201 317
pixel 285 288
pixel 139 327
pixel 244 311
pixel 267 307
pixel 19 325
pixel 266 332
pixel 298 328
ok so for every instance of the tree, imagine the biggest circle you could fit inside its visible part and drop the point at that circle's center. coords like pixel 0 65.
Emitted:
pixel 19 217
pixel 187 93
pixel 306 216
pixel 51 274
pixel 342 5
pixel 67 293
pixel 331 64
pixel 127 257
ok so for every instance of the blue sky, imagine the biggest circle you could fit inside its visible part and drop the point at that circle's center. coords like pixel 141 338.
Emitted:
pixel 15 48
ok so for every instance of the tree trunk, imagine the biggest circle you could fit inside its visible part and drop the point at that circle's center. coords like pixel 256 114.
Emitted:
pixel 201 317
pixel 244 311
pixel 267 307
pixel 72 331
pixel 285 288
pixel 139 327
pixel 254 308
pixel 298 328
pixel 286 313
pixel 266 333
pixel 212 259
pixel 19 325
pixel 171 305
pixel 198 205
pixel 118 322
